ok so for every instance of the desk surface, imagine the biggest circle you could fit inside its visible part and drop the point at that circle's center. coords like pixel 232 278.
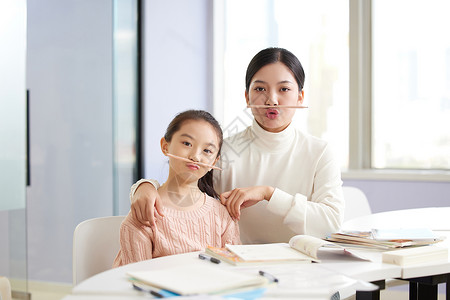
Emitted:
pixel 344 270
pixel 435 218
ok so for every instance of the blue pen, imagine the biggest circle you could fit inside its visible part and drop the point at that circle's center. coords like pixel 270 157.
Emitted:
pixel 152 292
pixel 268 276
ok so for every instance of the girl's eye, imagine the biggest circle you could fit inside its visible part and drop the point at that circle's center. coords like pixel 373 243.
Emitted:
pixel 285 89
pixel 259 89
pixel 187 144
pixel 208 151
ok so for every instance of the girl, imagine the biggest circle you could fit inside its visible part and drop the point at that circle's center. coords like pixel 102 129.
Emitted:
pixel 193 218
pixel 288 181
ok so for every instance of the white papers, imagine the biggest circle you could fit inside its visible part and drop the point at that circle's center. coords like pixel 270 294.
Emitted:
pixel 413 234
pixel 192 279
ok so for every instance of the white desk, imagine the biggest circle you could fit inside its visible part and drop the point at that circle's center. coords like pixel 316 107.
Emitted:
pixel 334 267
pixel 332 274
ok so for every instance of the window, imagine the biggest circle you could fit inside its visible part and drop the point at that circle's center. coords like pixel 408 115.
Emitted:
pixel 400 114
pixel 317 33
pixel 411 84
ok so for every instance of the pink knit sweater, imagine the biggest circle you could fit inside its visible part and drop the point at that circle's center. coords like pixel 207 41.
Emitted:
pixel 178 232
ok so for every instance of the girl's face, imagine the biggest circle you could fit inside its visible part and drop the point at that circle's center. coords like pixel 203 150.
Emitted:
pixel 197 141
pixel 274 84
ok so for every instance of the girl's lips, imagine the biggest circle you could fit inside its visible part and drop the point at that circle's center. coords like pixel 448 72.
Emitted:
pixel 193 166
pixel 272 113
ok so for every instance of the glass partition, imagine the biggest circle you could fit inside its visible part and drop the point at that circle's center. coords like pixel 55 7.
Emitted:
pixel 13 137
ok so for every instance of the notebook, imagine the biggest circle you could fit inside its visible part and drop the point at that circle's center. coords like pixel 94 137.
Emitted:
pixel 193 279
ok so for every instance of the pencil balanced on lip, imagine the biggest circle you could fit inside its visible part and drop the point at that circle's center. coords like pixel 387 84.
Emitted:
pixel 194 162
pixel 276 106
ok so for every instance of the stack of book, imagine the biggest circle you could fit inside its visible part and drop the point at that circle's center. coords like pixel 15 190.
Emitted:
pixel 385 238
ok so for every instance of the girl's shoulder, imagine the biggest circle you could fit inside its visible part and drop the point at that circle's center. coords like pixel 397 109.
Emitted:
pixel 216 205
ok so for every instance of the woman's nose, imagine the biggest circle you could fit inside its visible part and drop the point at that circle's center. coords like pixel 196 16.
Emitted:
pixel 272 99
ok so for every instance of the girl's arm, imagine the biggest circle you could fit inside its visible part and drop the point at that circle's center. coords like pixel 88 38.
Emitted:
pixel 135 242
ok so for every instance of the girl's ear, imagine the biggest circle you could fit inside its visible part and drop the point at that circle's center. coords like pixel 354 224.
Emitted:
pixel 301 96
pixel 215 161
pixel 246 98
pixel 164 146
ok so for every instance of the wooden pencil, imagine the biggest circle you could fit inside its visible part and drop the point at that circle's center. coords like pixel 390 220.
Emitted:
pixel 194 162
pixel 276 106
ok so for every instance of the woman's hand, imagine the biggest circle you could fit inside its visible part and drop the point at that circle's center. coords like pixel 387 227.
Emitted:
pixel 143 204
pixel 244 197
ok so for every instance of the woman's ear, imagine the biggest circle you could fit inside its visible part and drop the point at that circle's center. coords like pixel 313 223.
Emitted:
pixel 164 146
pixel 246 98
pixel 301 96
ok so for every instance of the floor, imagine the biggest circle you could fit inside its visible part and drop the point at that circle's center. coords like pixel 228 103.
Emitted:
pixel 45 291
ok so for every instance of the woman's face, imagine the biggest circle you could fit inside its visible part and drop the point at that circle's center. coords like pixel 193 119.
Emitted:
pixel 274 84
pixel 197 141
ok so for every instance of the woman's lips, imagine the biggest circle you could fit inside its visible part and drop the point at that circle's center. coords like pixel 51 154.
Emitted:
pixel 272 113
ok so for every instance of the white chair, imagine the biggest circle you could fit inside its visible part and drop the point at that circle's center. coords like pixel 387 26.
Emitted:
pixel 356 203
pixel 5 288
pixel 95 245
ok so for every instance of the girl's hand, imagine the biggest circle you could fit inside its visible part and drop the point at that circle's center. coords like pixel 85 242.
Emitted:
pixel 244 197
pixel 143 204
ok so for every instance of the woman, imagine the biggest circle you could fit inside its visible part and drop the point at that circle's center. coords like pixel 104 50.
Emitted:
pixel 277 180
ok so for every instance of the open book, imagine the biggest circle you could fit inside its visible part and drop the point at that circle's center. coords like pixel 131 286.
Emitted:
pixel 193 279
pixel 301 248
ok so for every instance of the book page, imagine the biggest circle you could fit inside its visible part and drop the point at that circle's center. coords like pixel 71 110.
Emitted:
pixel 267 252
pixel 308 245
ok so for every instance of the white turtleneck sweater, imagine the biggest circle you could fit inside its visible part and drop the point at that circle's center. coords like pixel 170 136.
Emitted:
pixel 308 196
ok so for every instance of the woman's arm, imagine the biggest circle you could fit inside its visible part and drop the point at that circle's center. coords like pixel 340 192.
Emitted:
pixel 144 199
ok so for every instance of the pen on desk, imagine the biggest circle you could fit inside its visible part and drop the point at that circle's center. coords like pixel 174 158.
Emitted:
pixel 268 276
pixel 152 292
pixel 207 257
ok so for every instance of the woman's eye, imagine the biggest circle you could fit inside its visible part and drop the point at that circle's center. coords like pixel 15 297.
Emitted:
pixel 285 89
pixel 208 151
pixel 186 143
pixel 259 89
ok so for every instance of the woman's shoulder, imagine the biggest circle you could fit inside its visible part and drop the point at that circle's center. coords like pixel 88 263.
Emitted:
pixel 310 139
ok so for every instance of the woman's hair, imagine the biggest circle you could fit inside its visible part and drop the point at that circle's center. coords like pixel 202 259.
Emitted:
pixel 205 184
pixel 273 55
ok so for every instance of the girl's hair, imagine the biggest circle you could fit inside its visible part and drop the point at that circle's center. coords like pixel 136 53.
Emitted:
pixel 205 184
pixel 273 55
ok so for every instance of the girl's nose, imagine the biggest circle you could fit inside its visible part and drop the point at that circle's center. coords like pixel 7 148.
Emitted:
pixel 194 156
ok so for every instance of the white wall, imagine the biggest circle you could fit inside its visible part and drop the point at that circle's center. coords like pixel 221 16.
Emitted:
pixel 385 195
pixel 177 70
